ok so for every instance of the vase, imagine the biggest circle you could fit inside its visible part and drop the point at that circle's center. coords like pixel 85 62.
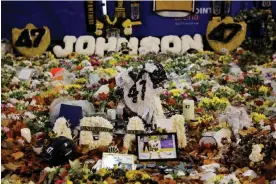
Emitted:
pixel 113 32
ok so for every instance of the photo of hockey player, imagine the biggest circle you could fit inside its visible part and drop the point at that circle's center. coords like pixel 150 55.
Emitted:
pixel 152 147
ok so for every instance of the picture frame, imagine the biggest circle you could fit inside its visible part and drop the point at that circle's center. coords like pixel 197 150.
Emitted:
pixel 125 161
pixel 160 147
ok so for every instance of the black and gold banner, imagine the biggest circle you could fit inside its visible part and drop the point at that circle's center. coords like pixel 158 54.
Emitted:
pixel 135 13
pixel 90 8
pixel 120 11
pixel 96 130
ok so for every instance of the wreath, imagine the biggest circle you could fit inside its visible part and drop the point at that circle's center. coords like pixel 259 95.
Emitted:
pixel 92 127
pixel 255 18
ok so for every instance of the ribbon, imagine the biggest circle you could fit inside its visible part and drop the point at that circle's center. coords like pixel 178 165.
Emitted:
pixel 135 12
pixel 90 15
pixel 134 131
pixel 96 130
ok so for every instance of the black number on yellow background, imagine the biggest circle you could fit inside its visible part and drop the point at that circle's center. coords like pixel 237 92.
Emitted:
pixel 25 38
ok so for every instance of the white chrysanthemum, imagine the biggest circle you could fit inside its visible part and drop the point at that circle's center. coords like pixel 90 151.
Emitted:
pixel 14 116
pixel 15 81
pixel 48 74
pixel 13 101
pixel 150 67
pixel 86 137
pixel 9 68
pixel 87 69
pixel 85 63
pixel 3 116
pixel 178 127
pixel 35 83
pixel 61 128
pixel 256 155
pixel 28 63
pixel 231 178
pixel 29 115
pixel 135 123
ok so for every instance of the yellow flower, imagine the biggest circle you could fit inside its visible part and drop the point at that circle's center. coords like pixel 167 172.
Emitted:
pixel 102 172
pixel 110 71
pixel 210 94
pixel 145 176
pixel 112 61
pixel 81 81
pixel 264 89
pixel 133 174
pixel 49 93
pixel 9 55
pixel 258 117
pixel 72 86
pixel 127 23
pixel 176 92
pixel 224 125
pixel 98 32
pixel 87 57
pixel 51 56
pixel 69 182
pixel 200 76
pixel 130 175
pixel 258 70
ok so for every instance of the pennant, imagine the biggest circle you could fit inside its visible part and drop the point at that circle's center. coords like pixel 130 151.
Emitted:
pixel 135 13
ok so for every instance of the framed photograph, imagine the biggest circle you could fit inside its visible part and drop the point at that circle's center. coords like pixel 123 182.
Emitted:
pixel 124 161
pixel 154 147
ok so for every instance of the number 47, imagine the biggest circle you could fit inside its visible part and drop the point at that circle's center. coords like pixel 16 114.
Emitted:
pixel 25 38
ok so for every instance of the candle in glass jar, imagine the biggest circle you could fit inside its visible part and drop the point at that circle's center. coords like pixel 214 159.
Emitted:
pixel 120 110
pixel 111 113
pixel 188 109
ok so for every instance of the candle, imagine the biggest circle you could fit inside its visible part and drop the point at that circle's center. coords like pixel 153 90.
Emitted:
pixel 104 4
pixel 120 110
pixel 111 114
pixel 188 109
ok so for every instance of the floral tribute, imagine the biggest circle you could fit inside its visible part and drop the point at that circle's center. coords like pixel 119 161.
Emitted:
pixel 231 138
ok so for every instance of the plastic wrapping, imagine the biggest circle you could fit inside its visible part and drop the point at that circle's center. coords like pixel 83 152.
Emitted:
pixel 237 118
